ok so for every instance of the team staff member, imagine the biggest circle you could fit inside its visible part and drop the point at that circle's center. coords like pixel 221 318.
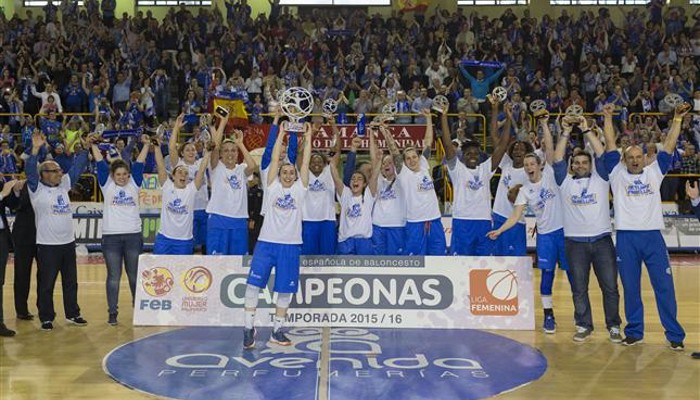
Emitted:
pixel 48 191
pixel 638 221
pixel 122 236
pixel 5 242
pixel 541 194
pixel 24 240
pixel 279 245
pixel 587 231
pixel 471 212
pixel 694 194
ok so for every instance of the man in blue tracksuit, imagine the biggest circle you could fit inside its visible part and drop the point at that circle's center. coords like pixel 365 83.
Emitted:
pixel 639 220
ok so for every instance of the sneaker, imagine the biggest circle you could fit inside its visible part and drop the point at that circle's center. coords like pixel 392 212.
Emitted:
pixel 582 334
pixel 5 332
pixel 676 346
pixel 280 338
pixel 630 341
pixel 77 321
pixel 47 326
pixel 615 335
pixel 249 338
pixel 550 325
pixel 112 319
pixel 25 317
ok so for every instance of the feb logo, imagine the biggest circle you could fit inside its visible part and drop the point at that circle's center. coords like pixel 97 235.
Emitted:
pixel 493 292
pixel 196 280
pixel 157 281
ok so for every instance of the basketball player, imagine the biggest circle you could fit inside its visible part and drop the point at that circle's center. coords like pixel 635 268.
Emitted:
pixel 227 228
pixel 471 212
pixel 541 194
pixel 179 201
pixel 587 230
pixel 289 155
pixel 638 221
pixel 279 245
pixel 186 155
pixel 425 234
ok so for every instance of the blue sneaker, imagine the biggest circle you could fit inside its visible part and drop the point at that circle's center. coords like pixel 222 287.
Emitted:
pixel 550 325
pixel 280 338
pixel 248 338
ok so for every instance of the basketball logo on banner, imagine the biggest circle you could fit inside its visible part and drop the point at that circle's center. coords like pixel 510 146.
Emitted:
pixel 157 281
pixel 197 280
pixel 493 292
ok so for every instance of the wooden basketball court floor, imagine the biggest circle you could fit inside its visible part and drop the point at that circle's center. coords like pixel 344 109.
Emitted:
pixel 67 362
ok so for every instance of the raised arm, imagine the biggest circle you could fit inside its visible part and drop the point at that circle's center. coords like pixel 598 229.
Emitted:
pixel 500 143
pixel 172 143
pixel 429 134
pixel 217 138
pixel 337 182
pixel 351 160
pixel 199 178
pixel 548 141
pixel 675 130
pixel 250 163
pixel 375 157
pixel 160 164
pixel 306 156
pixel 271 140
pixel 608 128
pixel 560 150
pixel 38 141
pixel 450 152
pixel 274 164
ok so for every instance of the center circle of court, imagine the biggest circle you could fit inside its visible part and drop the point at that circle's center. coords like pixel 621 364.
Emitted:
pixel 210 363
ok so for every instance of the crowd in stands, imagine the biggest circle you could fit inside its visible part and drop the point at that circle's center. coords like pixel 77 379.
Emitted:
pixel 127 72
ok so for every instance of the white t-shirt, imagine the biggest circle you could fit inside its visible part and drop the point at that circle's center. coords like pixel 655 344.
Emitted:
pixel 421 200
pixel 544 200
pixel 472 190
pixel 320 197
pixel 229 191
pixel 202 198
pixel 390 204
pixel 355 215
pixel 176 215
pixel 263 185
pixel 510 177
pixel 121 208
pixel 52 213
pixel 586 209
pixel 637 198
pixel 282 222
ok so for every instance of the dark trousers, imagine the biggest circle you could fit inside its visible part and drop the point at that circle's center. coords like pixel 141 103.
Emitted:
pixel 4 253
pixel 25 254
pixel 51 260
pixel 601 254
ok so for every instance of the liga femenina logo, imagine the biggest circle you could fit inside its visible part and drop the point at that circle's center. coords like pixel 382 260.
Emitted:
pixel 493 292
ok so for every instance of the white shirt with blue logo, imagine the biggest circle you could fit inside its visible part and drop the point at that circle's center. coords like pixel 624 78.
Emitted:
pixel 544 200
pixel 390 204
pixel 637 198
pixel 472 190
pixel 320 197
pixel 176 215
pixel 421 200
pixel 510 177
pixel 53 214
pixel 355 215
pixel 229 191
pixel 282 223
pixel 586 206
pixel 202 198
pixel 121 208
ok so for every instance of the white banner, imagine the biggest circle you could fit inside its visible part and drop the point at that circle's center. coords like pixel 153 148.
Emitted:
pixel 380 292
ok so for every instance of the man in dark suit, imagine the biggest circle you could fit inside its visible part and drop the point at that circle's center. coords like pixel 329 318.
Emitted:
pixel 694 193
pixel 5 244
pixel 24 239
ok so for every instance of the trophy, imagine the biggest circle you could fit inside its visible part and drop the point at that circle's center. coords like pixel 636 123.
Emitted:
pixel 500 93
pixel 673 100
pixel 539 109
pixel 389 111
pixel 296 103
pixel 572 115
pixel 440 104
pixel 329 108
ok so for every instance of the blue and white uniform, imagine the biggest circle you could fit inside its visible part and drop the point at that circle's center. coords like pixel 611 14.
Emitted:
pixel 176 220
pixel 318 226
pixel 389 218
pixel 355 233
pixel 424 232
pixel 227 228
pixel 279 244
pixel 471 212
pixel 638 222
pixel 199 226
pixel 512 242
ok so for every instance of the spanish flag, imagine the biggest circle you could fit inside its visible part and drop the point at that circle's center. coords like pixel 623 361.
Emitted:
pixel 413 5
pixel 238 117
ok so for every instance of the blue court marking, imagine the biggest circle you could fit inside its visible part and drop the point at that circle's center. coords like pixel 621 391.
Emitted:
pixel 210 364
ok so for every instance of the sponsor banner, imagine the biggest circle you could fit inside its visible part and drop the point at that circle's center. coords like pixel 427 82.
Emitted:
pixel 381 292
